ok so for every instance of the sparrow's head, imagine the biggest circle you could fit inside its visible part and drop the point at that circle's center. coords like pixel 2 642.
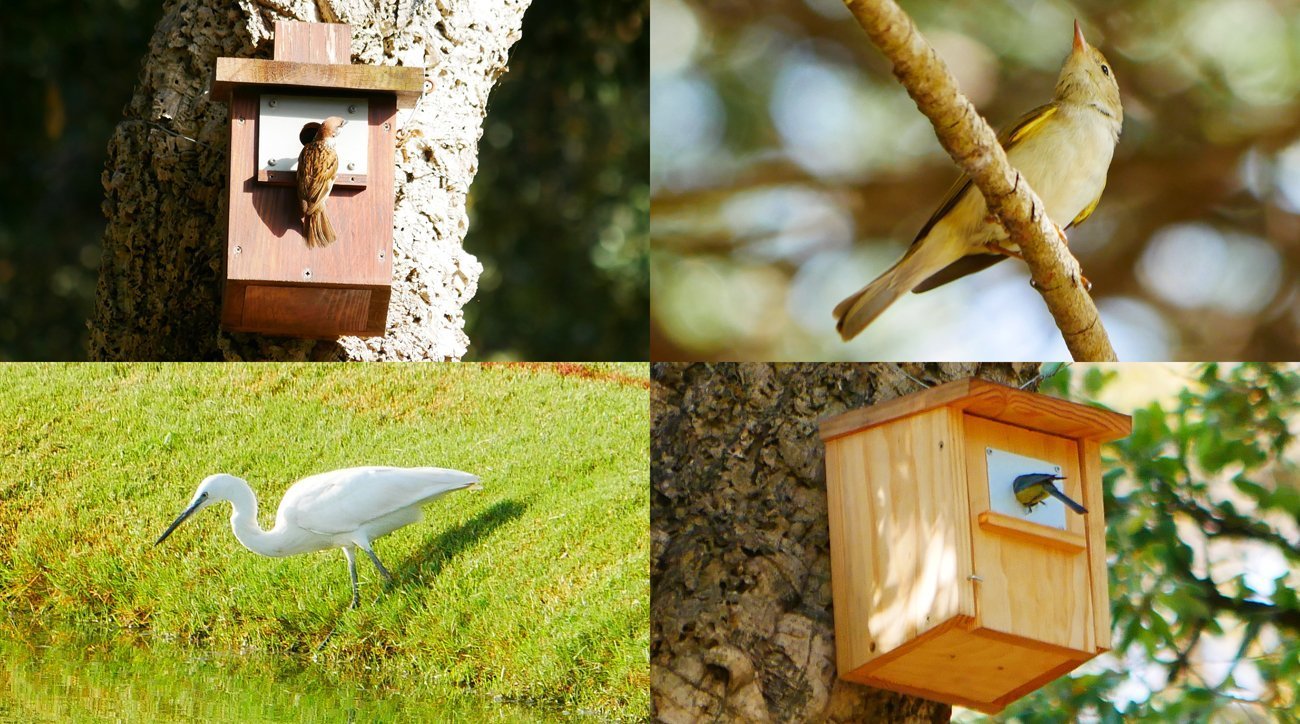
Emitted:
pixel 329 128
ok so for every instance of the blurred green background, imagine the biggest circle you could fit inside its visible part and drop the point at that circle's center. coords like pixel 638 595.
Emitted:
pixel 1201 504
pixel 558 211
pixel 788 168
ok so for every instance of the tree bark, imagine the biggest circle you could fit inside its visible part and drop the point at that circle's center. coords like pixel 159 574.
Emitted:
pixel 159 293
pixel 967 137
pixel 740 611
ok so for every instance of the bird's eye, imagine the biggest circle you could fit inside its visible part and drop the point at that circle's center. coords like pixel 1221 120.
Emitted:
pixel 1105 69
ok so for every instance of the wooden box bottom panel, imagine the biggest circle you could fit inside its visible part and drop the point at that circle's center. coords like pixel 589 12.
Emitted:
pixel 318 312
pixel 978 669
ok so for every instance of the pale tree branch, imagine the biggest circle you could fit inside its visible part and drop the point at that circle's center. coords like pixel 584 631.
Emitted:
pixel 967 137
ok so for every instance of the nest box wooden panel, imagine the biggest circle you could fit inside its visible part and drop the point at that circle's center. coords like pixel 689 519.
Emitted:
pixel 275 283
pixel 956 576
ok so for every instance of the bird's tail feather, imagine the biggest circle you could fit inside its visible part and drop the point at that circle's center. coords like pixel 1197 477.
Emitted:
pixel 1069 502
pixel 317 229
pixel 327 229
pixel 862 307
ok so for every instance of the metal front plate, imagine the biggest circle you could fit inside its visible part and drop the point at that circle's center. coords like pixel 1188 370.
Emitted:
pixel 281 118
pixel 1003 469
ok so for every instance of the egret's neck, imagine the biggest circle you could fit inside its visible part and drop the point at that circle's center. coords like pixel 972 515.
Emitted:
pixel 244 522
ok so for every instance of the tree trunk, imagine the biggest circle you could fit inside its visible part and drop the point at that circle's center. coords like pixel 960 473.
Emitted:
pixel 160 282
pixel 741 625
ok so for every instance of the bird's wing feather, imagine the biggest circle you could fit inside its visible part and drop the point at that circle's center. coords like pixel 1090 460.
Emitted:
pixel 315 186
pixel 339 501
pixel 968 264
pixel 959 190
pixel 1087 211
pixel 1016 132
pixel 1009 138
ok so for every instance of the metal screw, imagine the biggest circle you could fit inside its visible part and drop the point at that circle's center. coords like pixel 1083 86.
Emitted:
pixel 1058 468
pixel 271 162
pixel 381 254
pixel 306 273
pixel 385 125
pixel 239 250
pixel 352 166
pixel 352 109
pixel 272 103
pixel 241 121
pixel 976 579
pixel 988 451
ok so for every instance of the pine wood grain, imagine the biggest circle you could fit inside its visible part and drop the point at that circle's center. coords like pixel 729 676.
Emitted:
pixel 993 401
pixel 900 545
pixel 934 593
pixel 1029 589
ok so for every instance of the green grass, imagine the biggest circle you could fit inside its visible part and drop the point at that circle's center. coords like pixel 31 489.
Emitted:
pixel 534 589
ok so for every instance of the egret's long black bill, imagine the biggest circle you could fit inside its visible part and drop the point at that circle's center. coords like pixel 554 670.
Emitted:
pixel 181 518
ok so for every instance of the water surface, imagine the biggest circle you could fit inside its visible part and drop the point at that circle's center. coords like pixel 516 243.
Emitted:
pixel 97 681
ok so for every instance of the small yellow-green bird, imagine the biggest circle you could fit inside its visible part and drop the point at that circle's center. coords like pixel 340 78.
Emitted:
pixel 1034 488
pixel 1063 149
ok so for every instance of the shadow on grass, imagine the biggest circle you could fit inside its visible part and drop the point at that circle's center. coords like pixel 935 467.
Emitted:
pixel 430 559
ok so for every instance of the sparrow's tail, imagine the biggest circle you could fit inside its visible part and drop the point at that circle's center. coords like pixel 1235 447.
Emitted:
pixel 317 229
pixel 861 308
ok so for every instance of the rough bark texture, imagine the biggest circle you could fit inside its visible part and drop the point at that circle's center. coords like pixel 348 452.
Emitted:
pixel 159 293
pixel 741 624
pixel 973 144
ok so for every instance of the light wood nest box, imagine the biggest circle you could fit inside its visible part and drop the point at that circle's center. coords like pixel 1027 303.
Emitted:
pixel 275 283
pixel 946 585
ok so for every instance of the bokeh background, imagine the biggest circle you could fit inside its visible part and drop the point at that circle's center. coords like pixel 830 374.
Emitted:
pixel 788 168
pixel 559 211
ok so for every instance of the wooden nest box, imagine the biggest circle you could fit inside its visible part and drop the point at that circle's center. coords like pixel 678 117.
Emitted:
pixel 946 584
pixel 275 283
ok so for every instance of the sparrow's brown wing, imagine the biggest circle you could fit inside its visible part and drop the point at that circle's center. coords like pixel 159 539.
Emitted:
pixel 972 263
pixel 317 165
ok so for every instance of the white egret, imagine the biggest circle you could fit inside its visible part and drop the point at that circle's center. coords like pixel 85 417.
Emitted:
pixel 345 509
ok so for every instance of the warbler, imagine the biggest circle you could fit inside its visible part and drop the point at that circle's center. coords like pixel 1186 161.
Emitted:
pixel 1034 488
pixel 1063 149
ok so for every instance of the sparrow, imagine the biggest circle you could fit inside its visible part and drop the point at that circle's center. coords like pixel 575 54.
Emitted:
pixel 1034 488
pixel 1062 148
pixel 318 164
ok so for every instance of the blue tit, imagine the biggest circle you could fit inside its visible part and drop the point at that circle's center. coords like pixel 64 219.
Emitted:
pixel 1034 488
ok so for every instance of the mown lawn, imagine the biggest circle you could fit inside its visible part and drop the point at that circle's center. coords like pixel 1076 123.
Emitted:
pixel 534 589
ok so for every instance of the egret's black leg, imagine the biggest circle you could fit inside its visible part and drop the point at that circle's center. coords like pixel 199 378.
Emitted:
pixel 378 565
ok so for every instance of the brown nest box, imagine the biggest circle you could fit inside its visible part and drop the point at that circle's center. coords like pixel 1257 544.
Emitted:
pixel 275 283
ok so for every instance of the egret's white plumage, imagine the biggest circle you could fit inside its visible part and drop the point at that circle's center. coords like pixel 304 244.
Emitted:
pixel 346 509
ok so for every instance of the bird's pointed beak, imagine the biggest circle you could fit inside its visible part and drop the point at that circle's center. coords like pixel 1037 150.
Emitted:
pixel 181 518
pixel 1079 43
